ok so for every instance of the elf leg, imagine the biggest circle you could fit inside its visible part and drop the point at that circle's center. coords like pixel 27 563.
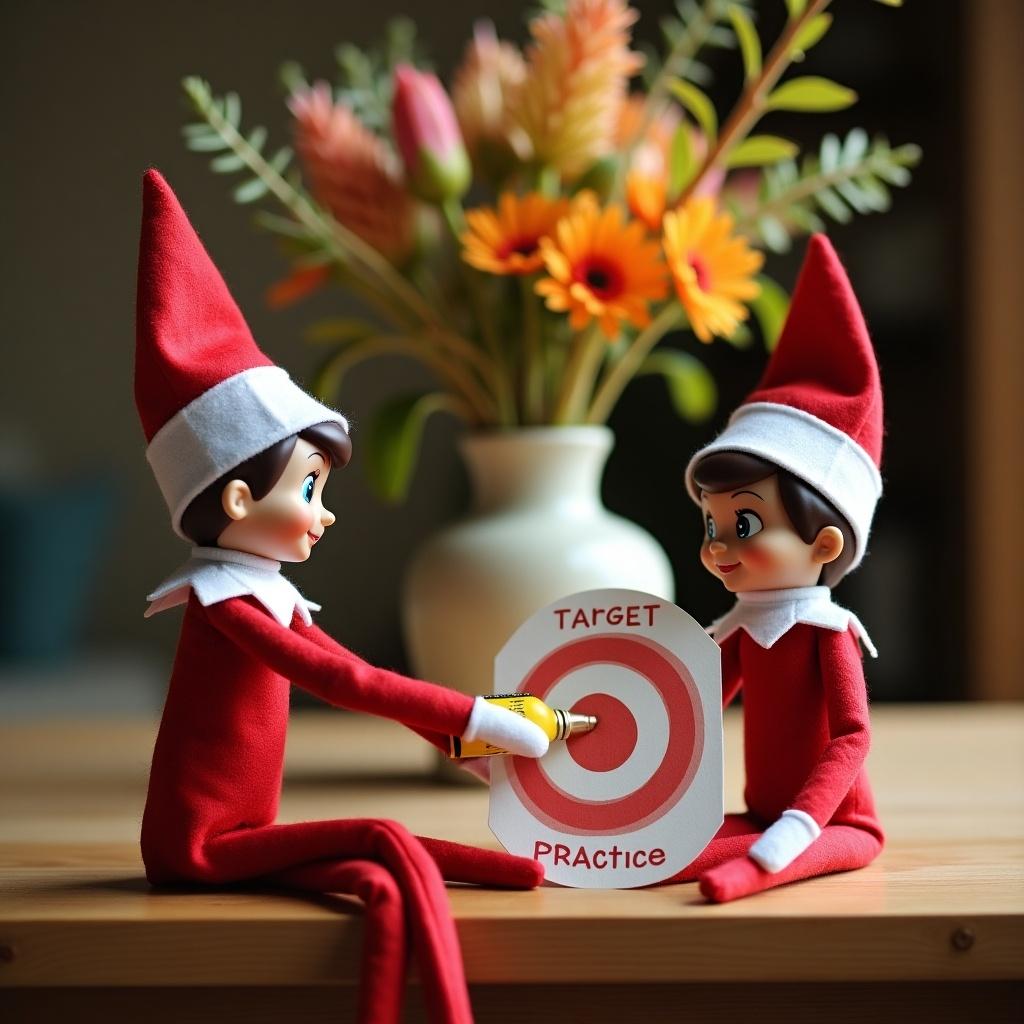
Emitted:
pixel 252 853
pixel 460 863
pixel 838 848
pixel 384 960
pixel 733 839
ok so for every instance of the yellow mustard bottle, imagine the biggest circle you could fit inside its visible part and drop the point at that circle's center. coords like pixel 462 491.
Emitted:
pixel 556 723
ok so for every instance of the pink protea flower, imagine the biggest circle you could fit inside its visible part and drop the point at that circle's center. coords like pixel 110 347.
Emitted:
pixel 484 93
pixel 578 69
pixel 427 135
pixel 353 173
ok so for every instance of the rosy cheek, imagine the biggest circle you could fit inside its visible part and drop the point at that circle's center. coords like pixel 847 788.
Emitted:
pixel 294 521
pixel 759 555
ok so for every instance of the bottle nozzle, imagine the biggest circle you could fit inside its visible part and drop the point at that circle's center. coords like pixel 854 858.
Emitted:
pixel 572 724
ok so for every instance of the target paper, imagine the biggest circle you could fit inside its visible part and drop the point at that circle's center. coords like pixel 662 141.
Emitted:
pixel 633 802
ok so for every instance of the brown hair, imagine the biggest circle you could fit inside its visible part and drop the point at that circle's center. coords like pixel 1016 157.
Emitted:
pixel 205 519
pixel 808 511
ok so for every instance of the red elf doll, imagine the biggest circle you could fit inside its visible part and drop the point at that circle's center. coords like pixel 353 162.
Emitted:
pixel 787 493
pixel 242 455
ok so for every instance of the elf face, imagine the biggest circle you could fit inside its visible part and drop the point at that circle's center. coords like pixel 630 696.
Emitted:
pixel 287 521
pixel 751 544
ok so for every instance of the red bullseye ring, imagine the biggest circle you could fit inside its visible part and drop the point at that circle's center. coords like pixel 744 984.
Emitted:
pixel 609 747
pixel 567 813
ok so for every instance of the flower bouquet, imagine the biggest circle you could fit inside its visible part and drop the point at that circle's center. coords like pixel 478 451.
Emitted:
pixel 532 236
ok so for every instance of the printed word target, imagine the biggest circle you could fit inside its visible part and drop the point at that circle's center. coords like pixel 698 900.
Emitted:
pixel 634 801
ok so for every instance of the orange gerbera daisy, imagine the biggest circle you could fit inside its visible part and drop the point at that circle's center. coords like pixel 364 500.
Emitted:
pixel 507 240
pixel 601 268
pixel 712 268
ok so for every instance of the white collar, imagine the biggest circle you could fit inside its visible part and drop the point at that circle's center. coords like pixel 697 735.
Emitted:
pixel 768 615
pixel 218 574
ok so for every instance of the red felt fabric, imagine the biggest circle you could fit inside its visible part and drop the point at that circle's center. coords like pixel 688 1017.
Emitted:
pixel 215 786
pixel 806 734
pixel 824 363
pixel 189 332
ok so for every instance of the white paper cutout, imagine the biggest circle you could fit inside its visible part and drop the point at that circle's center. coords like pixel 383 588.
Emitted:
pixel 635 801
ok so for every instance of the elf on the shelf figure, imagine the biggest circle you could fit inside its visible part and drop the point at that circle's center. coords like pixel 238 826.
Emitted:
pixel 242 455
pixel 787 493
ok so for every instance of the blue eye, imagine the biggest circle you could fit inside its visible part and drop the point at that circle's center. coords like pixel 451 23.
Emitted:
pixel 747 523
pixel 307 488
pixel 712 532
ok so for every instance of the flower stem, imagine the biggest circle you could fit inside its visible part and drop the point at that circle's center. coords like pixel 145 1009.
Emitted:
pixel 585 356
pixel 685 49
pixel 750 106
pixel 501 384
pixel 533 354
pixel 620 373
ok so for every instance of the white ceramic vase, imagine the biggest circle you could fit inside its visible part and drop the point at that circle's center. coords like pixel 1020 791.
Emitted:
pixel 536 531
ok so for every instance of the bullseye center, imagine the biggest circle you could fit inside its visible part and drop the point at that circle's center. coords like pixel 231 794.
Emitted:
pixel 614 739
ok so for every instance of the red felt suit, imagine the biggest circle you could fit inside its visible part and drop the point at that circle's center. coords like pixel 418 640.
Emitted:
pixel 209 400
pixel 817 413
pixel 216 780
pixel 806 735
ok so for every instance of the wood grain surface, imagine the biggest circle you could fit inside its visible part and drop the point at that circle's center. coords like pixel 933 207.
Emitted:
pixel 943 904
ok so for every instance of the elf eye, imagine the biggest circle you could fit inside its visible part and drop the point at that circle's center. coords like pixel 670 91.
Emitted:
pixel 307 488
pixel 747 523
pixel 712 532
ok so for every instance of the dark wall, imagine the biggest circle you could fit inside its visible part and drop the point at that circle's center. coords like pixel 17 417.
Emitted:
pixel 91 98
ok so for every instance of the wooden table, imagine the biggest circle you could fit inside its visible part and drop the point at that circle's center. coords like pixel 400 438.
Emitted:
pixel 933 931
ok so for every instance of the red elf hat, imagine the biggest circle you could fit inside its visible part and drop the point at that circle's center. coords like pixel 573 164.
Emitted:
pixel 817 410
pixel 207 396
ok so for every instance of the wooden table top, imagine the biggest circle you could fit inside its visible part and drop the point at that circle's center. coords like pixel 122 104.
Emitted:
pixel 944 901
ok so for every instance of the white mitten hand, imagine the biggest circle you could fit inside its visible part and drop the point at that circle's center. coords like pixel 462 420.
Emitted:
pixel 785 840
pixel 503 728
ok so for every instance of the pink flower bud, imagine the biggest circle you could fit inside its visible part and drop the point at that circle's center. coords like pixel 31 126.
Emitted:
pixel 427 135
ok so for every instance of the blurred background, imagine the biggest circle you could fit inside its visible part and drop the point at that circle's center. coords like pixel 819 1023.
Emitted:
pixel 92 97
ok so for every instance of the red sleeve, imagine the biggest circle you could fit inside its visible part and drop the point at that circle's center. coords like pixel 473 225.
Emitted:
pixel 849 729
pixel 338 676
pixel 328 643
pixel 732 678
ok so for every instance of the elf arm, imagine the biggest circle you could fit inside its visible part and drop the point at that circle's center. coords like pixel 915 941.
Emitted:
pixel 732 680
pixel 327 642
pixel 349 682
pixel 832 778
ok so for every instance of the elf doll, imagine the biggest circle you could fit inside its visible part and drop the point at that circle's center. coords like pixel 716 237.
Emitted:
pixel 242 455
pixel 787 492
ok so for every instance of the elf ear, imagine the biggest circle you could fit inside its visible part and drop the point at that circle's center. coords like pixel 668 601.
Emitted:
pixel 828 545
pixel 236 499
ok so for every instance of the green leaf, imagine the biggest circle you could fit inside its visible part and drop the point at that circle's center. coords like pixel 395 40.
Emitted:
pixel 810 93
pixel 750 45
pixel 393 439
pixel 759 150
pixel 227 163
pixel 257 137
pixel 795 8
pixel 205 143
pixel 691 386
pixel 681 162
pixel 774 233
pixel 891 3
pixel 232 109
pixel 279 161
pixel 855 147
pixel 770 309
pixel 338 329
pixel 831 153
pixel 250 191
pixel 699 105
pixel 833 205
pixel 810 34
